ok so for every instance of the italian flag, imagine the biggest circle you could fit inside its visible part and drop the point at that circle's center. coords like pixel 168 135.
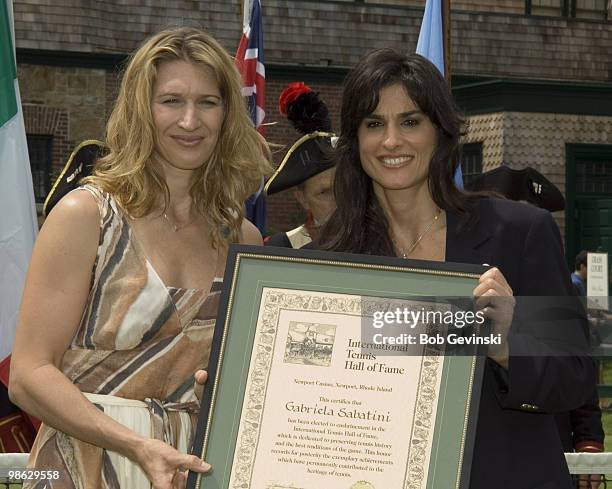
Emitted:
pixel 18 224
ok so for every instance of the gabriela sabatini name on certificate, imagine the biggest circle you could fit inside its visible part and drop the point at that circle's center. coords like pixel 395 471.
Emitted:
pixel 318 404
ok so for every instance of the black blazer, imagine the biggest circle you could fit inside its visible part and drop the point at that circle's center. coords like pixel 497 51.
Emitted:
pixel 517 445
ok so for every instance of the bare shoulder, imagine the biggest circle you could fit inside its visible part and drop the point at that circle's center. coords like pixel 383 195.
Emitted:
pixel 73 224
pixel 250 234
pixel 79 202
pixel 79 205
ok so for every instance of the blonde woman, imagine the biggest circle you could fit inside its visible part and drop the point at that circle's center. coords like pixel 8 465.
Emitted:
pixel 119 304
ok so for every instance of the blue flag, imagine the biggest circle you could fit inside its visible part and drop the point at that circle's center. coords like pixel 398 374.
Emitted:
pixel 431 46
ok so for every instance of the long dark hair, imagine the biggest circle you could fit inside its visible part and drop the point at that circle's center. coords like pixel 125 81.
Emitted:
pixel 359 224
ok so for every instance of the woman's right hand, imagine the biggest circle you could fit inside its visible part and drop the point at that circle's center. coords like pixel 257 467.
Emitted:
pixel 165 466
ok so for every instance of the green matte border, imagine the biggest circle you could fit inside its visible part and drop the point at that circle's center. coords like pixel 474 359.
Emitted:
pixel 250 269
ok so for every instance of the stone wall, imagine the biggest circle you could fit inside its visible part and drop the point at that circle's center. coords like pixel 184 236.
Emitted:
pixel 112 81
pixel 67 103
pixel 506 6
pixel 489 37
pixel 539 140
pixel 44 120
pixel 498 6
pixel 487 129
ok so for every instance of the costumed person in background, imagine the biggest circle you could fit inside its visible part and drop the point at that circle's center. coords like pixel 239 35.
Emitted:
pixel 580 429
pixel 79 165
pixel 395 195
pixel 306 165
pixel 121 297
pixel 523 185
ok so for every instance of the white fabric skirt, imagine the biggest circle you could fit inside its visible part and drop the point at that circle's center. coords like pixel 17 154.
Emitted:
pixel 135 415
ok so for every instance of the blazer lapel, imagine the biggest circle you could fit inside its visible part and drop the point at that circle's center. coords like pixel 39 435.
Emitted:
pixel 468 243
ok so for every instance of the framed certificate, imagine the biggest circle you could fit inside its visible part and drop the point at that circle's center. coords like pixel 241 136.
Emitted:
pixel 302 394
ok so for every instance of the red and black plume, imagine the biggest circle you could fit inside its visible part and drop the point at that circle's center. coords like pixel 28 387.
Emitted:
pixel 303 107
pixel 310 154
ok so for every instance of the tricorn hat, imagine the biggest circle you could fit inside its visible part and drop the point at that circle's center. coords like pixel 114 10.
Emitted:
pixel 309 155
pixel 526 184
pixel 79 165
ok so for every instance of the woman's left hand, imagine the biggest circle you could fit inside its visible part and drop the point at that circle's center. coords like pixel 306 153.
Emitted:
pixel 496 300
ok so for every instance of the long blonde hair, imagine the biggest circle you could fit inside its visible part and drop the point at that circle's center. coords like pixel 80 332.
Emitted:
pixel 130 171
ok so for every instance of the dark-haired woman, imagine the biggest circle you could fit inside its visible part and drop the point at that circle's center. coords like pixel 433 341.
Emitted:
pixel 395 160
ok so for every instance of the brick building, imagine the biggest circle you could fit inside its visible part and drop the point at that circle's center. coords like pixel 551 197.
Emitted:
pixel 534 78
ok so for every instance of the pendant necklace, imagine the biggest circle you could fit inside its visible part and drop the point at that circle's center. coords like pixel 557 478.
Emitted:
pixel 404 254
pixel 173 225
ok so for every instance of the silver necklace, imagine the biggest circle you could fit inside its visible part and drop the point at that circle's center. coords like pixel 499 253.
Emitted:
pixel 413 245
pixel 173 225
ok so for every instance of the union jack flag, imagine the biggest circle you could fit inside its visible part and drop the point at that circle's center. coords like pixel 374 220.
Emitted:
pixel 250 62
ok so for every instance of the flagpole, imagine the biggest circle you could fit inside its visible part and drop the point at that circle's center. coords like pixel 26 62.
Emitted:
pixel 246 11
pixel 446 21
